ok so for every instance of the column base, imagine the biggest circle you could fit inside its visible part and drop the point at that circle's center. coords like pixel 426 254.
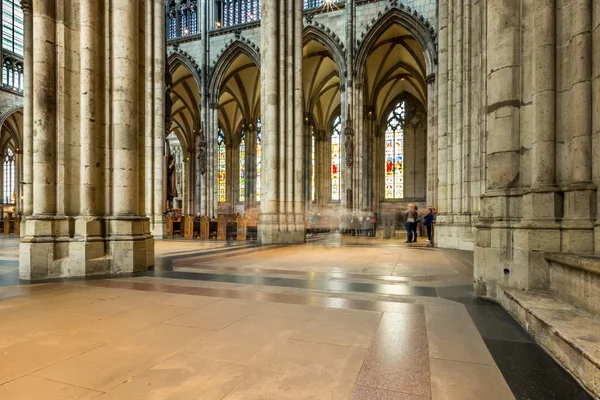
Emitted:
pixel 270 232
pixel 84 246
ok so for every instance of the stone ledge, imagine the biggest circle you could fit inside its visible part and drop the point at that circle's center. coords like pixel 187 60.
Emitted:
pixel 570 335
pixel 586 263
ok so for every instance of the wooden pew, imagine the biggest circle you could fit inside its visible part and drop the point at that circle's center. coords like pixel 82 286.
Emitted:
pixel 221 228
pixel 241 228
pixel 204 228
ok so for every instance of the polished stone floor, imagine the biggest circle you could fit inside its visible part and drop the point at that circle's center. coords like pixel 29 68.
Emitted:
pixel 338 318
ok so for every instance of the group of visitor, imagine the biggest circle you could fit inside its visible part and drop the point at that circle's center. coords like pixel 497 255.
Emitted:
pixel 415 221
pixel 359 224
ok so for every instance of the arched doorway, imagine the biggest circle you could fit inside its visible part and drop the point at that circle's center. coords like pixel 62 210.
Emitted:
pixel 393 69
pixel 322 102
pixel 180 194
pixel 11 167
pixel 238 132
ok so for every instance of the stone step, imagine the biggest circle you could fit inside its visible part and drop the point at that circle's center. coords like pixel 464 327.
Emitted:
pixel 568 333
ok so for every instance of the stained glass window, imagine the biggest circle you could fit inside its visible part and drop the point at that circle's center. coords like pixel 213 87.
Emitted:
pixel 313 171
pixel 222 167
pixel 336 157
pixel 9 176
pixel 237 12
pixel 172 20
pixel 258 158
pixel 12 74
pixel 12 26
pixel 243 167
pixel 319 3
pixel 394 153
pixel 188 19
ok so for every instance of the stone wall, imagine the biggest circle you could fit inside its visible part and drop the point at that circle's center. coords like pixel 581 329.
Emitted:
pixel 9 102
pixel 518 129
pixel 94 94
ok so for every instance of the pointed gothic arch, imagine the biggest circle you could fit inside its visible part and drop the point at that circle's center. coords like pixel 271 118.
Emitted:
pixel 227 57
pixel 417 26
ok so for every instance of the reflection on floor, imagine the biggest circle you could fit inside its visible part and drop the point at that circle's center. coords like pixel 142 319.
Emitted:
pixel 366 319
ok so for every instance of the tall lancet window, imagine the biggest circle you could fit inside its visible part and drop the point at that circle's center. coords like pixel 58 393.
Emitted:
pixel 336 158
pixel 237 12
pixel 172 20
pixel 394 153
pixel 313 193
pixel 12 26
pixel 243 167
pixel 9 177
pixel 258 158
pixel 188 18
pixel 222 172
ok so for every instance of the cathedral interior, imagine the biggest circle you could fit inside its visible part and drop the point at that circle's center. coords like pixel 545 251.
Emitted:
pixel 284 199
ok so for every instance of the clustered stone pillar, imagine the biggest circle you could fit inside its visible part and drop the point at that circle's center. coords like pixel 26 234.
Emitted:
pixel 596 115
pixel 282 204
pixel 26 5
pixel 93 142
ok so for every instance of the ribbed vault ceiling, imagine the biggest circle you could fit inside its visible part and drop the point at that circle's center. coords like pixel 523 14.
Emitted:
pixel 185 110
pixel 11 129
pixel 321 83
pixel 395 64
pixel 240 94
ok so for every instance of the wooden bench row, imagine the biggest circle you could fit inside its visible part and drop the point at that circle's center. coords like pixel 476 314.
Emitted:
pixel 204 228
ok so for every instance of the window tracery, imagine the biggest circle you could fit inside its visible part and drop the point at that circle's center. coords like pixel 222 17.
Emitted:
pixel 9 177
pixel 243 167
pixel 394 153
pixel 12 26
pixel 258 158
pixel 336 156
pixel 222 172
pixel 235 12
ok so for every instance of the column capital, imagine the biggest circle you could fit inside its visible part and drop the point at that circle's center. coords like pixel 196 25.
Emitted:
pixel 26 5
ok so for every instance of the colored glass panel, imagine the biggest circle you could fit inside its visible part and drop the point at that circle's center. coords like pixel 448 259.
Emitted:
pixel 12 26
pixel 243 168
pixel 313 193
pixel 222 172
pixel 9 177
pixel 258 159
pixel 394 153
pixel 336 156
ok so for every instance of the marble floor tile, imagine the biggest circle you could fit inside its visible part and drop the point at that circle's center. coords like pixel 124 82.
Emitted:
pixel 339 329
pixel 181 378
pixel 32 388
pixel 314 382
pixel 295 311
pixel 451 380
pixel 118 325
pixel 27 357
pixel 367 393
pixel 105 367
pixel 251 341
pixel 217 315
pixel 452 335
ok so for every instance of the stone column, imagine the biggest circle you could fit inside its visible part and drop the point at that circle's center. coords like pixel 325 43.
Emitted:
pixel 544 94
pixel 596 115
pixel 442 204
pixel 581 92
pixel 44 108
pixel 282 207
pixel 580 192
pixel 26 5
pixel 158 131
pixel 88 54
pixel 125 108
pixel 494 244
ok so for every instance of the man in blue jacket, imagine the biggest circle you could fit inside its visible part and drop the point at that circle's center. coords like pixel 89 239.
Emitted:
pixel 429 223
